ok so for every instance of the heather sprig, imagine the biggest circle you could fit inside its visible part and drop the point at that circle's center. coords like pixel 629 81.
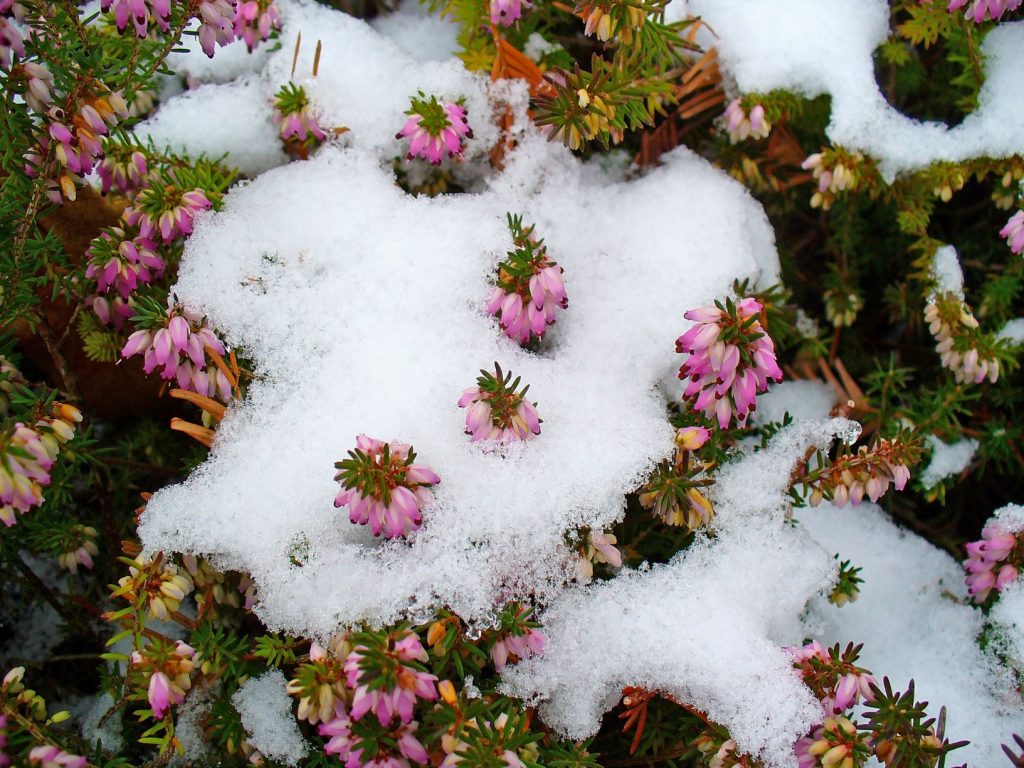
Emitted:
pixel 497 410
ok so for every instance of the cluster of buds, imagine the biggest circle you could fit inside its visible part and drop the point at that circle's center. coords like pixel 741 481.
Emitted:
pixel 139 12
pixel 993 561
pixel 529 290
pixel 958 340
pixel 294 116
pixel 80 548
pixel 598 548
pixel 50 756
pixel 112 310
pixel 497 743
pixel 26 457
pixel 14 694
pixel 716 750
pixel 168 670
pixel 319 684
pixel 216 24
pixel 847 588
pixel 608 19
pixel 1006 192
pixel 1013 232
pixel 164 212
pixel 832 676
pixel 76 141
pixel 178 346
pixel 342 740
pixel 835 171
pixel 381 485
pixel 387 676
pixel 868 472
pixel 121 262
pixel 731 359
pixel 949 179
pixel 497 411
pixel 505 13
pixel 11 43
pixel 214 588
pixel 983 10
pixel 38 80
pixel 125 172
pixel 673 491
pixel 255 20
pixel 517 636
pixel 435 127
pixel 742 125
pixel 155 585
pixel 842 306
pixel 837 743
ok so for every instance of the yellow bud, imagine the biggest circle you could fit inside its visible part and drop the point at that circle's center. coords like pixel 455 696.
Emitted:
pixel 436 633
pixel 60 717
pixel 447 691
pixel 582 97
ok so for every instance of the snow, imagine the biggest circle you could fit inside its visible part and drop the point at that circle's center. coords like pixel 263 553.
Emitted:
pixel 815 47
pixel 111 733
pixel 266 712
pixel 1007 617
pixel 1013 331
pixel 915 623
pixel 947 459
pixel 420 34
pixel 947 274
pixel 800 399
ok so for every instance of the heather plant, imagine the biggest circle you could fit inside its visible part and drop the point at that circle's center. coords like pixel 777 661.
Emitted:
pixel 690 564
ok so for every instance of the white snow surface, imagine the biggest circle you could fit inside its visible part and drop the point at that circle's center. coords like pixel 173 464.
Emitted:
pixel 947 274
pixel 266 712
pixel 815 47
pixel 1007 616
pixel 915 622
pixel 1013 331
pixel 947 459
pixel 800 399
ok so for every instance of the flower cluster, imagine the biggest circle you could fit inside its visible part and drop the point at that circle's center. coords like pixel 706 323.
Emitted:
pixel 294 116
pixel 169 671
pixel 497 411
pixel 742 125
pixel 434 128
pixel 832 675
pixel 216 24
pixel 178 347
pixel 598 548
pixel 76 142
pixel 517 638
pixel 993 561
pixel 610 20
pixel 381 485
pixel 139 12
pixel 343 742
pixel 11 44
pixel 154 584
pixel 164 212
pixel 982 10
pixel 80 548
pixel 529 289
pixel 958 340
pixel 731 359
pixel 26 457
pixel 121 262
pixel 868 472
pixel 673 490
pixel 255 20
pixel 386 676
pixel 125 174
pixel 835 172
pixel 507 12
pixel 49 756
pixel 1013 232
pixel 319 684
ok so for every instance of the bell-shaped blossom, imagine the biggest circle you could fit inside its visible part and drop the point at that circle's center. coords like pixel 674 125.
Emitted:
pixel 255 20
pixel 128 175
pixel 1014 232
pixel 984 10
pixel 122 263
pixel 496 411
pixel 731 359
pixel 398 664
pixel 294 116
pixel 166 213
pixel 742 125
pixel 49 756
pixel 216 24
pixel 138 13
pixel 993 561
pixel 507 12
pixel 11 43
pixel 434 128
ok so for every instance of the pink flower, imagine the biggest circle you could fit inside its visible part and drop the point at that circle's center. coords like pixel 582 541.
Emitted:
pixel 495 411
pixel 507 12
pixel 986 565
pixel 521 646
pixel 165 213
pixel 692 438
pixel 254 21
pixel 741 125
pixel 981 10
pixel 50 756
pixel 39 80
pixel 382 487
pixel 169 675
pixel 138 12
pixel 114 311
pixel 434 128
pixel 411 682
pixel 731 359
pixel 294 116
pixel 217 24
pixel 1014 232
pixel 127 176
pixel 122 263
pixel 10 43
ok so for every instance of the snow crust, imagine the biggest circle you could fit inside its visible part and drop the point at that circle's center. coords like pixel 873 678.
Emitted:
pixel 915 623
pixel 947 274
pixel 947 459
pixel 1013 331
pixel 266 712
pixel 815 47
pixel 800 399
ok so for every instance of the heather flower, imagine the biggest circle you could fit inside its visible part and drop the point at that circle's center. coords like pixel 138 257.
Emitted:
pixel 599 548
pixel 387 676
pixel 507 12
pixel 731 359
pixel 39 84
pixel 80 550
pixel 993 561
pixel 868 472
pixel 1014 232
pixel 26 457
pixel 381 485
pixel 958 341
pixel 434 128
pixel 496 411
pixel 255 20
pixel 179 350
pixel 832 676
pixel 165 212
pixel 127 175
pixel 50 756
pixel 217 24
pixel 742 125
pixel 529 289
pixel 982 10
pixel 294 116
pixel 113 311
pixel 319 685
pixel 159 585
pixel 139 12
pixel 115 261
pixel 692 438
pixel 510 646
pixel 169 671
pixel 340 741
pixel 610 20
pixel 11 43
pixel 834 172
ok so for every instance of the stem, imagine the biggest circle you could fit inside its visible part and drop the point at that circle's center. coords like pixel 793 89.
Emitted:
pixel 29 726
pixel 39 586
pixel 972 51
pixel 67 377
